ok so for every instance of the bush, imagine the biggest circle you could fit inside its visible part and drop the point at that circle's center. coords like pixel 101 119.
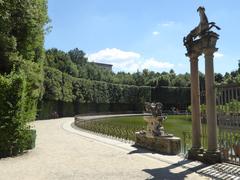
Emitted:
pixel 67 88
pixel 179 97
pixel 69 96
pixel 23 24
pixel 31 138
pixel 52 84
pixel 63 87
pixel 13 117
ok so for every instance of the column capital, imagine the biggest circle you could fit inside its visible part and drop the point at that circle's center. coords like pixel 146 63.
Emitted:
pixel 193 55
pixel 209 51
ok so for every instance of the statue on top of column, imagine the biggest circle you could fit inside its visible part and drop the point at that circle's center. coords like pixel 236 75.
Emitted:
pixel 203 27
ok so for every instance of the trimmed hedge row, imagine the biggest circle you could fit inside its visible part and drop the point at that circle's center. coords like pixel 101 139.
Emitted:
pixel 63 87
pixel 178 97
pixel 54 109
pixel 68 96
pixel 15 134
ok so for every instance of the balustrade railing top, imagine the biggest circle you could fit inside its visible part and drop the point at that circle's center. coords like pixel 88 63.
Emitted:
pixel 227 93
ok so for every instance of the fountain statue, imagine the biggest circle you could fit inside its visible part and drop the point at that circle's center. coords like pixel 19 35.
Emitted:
pixel 155 122
pixel 155 138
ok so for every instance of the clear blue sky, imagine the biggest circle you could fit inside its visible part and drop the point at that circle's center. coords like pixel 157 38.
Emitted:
pixel 138 34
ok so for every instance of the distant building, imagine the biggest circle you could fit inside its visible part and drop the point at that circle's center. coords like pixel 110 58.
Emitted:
pixel 105 66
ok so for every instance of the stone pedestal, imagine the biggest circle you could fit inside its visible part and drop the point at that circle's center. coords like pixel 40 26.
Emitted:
pixel 212 157
pixel 161 144
pixel 196 154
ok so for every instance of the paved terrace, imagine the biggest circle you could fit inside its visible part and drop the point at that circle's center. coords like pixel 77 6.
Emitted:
pixel 64 152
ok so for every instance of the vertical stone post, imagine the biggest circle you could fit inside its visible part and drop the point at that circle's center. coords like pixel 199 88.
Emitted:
pixel 210 100
pixel 195 105
pixel 212 154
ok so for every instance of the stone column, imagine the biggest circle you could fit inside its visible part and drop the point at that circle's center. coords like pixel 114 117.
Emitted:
pixel 195 102
pixel 195 105
pixel 212 154
pixel 210 100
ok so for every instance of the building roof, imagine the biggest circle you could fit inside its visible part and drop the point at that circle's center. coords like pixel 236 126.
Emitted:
pixel 103 64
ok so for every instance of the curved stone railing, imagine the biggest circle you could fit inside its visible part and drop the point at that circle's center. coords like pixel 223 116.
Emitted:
pixel 80 119
pixel 125 132
pixel 162 144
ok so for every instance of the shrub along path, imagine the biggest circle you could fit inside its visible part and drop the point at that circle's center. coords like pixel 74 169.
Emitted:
pixel 64 152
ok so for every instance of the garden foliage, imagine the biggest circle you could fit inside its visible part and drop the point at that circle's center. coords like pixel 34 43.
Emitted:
pixel 178 97
pixel 21 75
pixel 15 133
pixel 63 87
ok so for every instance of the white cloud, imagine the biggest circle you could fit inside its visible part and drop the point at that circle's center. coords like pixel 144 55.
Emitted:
pixel 168 23
pixel 127 61
pixel 152 63
pixel 218 55
pixel 180 65
pixel 155 33
pixel 112 55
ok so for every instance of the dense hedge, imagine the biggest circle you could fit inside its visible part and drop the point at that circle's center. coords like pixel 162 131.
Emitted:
pixel 178 97
pixel 47 109
pixel 69 96
pixel 14 114
pixel 63 91
pixel 23 24
pixel 63 87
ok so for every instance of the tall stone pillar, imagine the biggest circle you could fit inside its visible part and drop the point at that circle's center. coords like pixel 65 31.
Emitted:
pixel 210 100
pixel 212 154
pixel 195 102
pixel 195 105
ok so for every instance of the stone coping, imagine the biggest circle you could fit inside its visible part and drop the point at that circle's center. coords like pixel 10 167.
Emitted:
pixel 94 117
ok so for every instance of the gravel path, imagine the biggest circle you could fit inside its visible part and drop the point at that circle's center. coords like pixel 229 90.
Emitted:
pixel 63 152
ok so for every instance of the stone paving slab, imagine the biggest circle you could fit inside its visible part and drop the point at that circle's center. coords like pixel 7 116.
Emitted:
pixel 65 153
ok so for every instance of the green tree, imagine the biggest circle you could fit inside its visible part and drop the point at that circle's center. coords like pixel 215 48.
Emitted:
pixel 148 77
pixel 218 77
pixel 78 57
pixel 180 81
pixel 138 78
pixel 164 80
pixel 61 61
pixel 201 81
pixel 123 78
pixel 22 27
pixel 238 66
pixel 21 57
